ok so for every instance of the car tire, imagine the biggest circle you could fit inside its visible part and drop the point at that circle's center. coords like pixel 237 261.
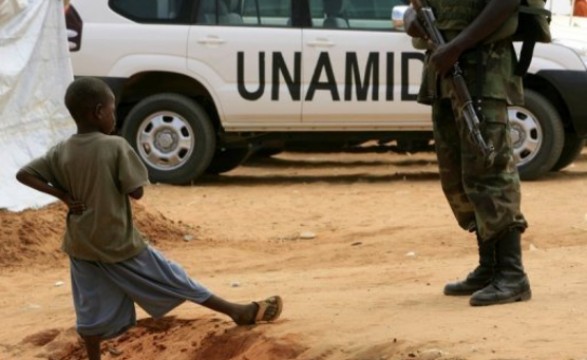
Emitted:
pixel 571 149
pixel 537 135
pixel 173 136
pixel 227 159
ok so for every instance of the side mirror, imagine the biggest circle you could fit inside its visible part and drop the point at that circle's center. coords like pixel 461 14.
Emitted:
pixel 397 16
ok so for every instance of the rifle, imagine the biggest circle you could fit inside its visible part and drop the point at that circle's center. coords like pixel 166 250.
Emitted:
pixel 462 99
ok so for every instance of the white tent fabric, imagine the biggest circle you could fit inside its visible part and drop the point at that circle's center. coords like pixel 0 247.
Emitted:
pixel 35 70
pixel 558 7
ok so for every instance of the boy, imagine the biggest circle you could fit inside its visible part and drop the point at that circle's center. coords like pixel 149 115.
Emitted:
pixel 111 266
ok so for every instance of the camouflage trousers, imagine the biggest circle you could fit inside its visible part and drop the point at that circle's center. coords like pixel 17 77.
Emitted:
pixel 483 199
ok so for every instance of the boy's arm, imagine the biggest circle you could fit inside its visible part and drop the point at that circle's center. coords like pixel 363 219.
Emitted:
pixel 132 173
pixel 39 184
pixel 136 193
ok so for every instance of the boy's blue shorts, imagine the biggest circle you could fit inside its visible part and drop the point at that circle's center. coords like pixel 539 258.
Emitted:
pixel 104 293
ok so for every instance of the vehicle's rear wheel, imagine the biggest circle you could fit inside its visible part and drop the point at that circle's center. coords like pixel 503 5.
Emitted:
pixel 537 135
pixel 572 148
pixel 173 136
pixel 226 159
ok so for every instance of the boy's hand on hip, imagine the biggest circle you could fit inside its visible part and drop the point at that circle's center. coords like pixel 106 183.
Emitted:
pixel 76 207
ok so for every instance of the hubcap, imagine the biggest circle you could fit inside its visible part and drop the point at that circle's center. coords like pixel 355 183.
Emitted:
pixel 525 133
pixel 165 140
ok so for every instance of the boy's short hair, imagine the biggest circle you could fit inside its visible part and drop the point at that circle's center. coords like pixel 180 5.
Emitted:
pixel 84 94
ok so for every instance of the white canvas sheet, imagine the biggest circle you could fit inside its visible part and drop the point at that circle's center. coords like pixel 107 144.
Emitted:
pixel 35 70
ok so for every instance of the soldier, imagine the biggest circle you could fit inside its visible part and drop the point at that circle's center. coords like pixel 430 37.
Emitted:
pixel 484 199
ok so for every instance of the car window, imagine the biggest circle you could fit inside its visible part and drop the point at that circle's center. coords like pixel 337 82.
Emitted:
pixel 153 11
pixel 353 14
pixel 245 12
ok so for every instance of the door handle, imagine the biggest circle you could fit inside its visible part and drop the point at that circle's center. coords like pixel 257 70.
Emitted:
pixel 320 42
pixel 211 40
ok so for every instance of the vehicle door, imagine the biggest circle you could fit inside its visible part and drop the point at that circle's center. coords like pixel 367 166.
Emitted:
pixel 358 69
pixel 248 54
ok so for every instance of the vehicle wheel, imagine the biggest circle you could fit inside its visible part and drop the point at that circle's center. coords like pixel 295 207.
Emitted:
pixel 537 135
pixel 225 160
pixel 571 149
pixel 173 136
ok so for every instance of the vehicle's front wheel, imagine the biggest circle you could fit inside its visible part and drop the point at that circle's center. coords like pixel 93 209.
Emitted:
pixel 537 135
pixel 173 136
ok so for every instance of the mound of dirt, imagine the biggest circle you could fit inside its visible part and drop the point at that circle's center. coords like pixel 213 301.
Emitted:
pixel 34 236
pixel 168 338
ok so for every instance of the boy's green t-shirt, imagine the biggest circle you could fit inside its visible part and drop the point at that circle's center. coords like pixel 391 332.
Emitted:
pixel 99 170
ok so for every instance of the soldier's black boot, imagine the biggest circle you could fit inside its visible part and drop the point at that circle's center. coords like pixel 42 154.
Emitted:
pixel 478 278
pixel 510 283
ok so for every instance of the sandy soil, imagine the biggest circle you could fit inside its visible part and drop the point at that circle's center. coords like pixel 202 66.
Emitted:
pixel 359 245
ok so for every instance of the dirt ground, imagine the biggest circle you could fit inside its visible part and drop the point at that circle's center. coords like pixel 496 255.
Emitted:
pixel 359 245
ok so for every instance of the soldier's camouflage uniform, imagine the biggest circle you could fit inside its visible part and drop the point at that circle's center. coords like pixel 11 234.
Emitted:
pixel 485 199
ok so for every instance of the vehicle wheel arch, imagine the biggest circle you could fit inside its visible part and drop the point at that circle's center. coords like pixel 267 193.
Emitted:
pixel 573 143
pixel 145 84
pixel 538 135
pixel 543 87
pixel 173 136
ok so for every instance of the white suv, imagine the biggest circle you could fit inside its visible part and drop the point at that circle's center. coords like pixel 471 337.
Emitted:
pixel 201 83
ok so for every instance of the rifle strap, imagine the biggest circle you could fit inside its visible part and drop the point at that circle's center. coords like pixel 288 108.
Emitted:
pixel 533 27
pixel 527 48
pixel 525 58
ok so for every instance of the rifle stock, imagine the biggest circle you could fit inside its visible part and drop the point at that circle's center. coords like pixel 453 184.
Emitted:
pixel 462 99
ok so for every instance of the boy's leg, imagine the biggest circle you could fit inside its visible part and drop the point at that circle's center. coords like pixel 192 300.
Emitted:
pixel 240 314
pixel 102 309
pixel 158 285
pixel 92 346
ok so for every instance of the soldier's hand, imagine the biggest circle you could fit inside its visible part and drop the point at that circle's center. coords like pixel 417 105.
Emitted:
pixel 444 57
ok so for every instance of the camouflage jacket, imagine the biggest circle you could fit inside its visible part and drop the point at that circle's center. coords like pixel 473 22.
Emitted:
pixel 488 69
